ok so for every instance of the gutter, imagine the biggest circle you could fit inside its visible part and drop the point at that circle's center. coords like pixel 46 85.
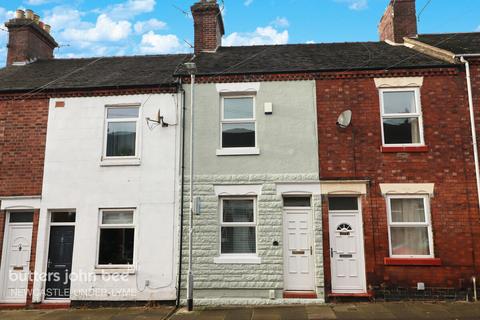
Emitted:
pixel 472 118
pixel 182 189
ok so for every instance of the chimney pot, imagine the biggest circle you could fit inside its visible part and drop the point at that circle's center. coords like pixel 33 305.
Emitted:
pixel 28 41
pixel 47 28
pixel 29 14
pixel 19 14
pixel 398 21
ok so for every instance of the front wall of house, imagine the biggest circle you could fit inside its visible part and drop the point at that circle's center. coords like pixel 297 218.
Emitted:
pixel 23 128
pixel 77 179
pixel 354 153
pixel 287 142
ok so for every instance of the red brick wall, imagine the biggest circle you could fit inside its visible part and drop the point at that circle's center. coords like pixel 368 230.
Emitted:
pixel 23 129
pixel 354 153
pixel 208 26
pixel 398 21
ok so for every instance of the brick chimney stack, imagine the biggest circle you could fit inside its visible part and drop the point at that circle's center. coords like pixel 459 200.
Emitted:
pixel 398 21
pixel 28 38
pixel 208 25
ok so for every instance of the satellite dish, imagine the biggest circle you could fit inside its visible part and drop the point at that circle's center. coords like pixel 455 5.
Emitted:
pixel 344 119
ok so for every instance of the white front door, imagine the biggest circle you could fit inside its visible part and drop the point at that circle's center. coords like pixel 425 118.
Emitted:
pixel 346 248
pixel 298 251
pixel 15 266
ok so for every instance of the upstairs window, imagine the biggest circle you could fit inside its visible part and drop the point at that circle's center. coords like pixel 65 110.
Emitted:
pixel 401 117
pixel 121 128
pixel 410 227
pixel 238 127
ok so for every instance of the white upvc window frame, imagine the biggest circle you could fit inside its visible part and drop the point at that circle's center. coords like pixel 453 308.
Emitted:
pixel 132 225
pixel 418 115
pixel 241 258
pixel 427 223
pixel 226 151
pixel 126 159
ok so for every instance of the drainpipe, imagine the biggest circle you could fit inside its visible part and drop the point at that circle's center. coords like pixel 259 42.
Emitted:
pixel 190 229
pixel 182 188
pixel 472 122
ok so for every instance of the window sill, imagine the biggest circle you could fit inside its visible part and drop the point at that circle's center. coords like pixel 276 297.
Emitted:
pixel 120 162
pixel 238 259
pixel 238 151
pixel 396 149
pixel 412 261
pixel 110 270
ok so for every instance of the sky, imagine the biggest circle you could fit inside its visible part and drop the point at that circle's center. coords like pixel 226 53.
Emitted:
pixel 85 28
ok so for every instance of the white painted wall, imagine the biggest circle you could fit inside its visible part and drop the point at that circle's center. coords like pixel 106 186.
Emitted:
pixel 74 179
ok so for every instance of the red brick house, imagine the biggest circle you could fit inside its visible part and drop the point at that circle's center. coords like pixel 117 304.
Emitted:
pixel 411 250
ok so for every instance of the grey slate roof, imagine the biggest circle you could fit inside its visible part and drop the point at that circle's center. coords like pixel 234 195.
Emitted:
pixel 457 43
pixel 311 57
pixel 112 72
pixel 147 71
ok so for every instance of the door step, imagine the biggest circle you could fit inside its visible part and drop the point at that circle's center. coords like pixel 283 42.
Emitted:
pixel 52 305
pixel 299 295
pixel 350 297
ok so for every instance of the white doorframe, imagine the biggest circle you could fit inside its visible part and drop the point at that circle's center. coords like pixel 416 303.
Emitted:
pixel 3 264
pixel 294 210
pixel 361 248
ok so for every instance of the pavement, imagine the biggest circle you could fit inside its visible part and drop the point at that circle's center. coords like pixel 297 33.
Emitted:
pixel 350 311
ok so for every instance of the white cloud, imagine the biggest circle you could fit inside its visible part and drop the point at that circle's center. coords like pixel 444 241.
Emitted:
pixel 105 29
pixel 355 4
pixel 63 17
pixel 310 42
pixel 281 22
pixel 149 25
pixel 266 35
pixel 247 2
pixel 153 43
pixel 129 9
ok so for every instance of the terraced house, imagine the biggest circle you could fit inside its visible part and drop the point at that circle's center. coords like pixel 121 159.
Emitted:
pixel 396 185
pixel 90 169
pixel 241 175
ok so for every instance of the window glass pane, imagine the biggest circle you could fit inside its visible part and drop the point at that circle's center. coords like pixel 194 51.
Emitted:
pixel 118 113
pixel 117 217
pixel 401 130
pixel 121 139
pixel 62 217
pixel 238 108
pixel 296 201
pixel 342 203
pixel 238 210
pixel 116 246
pixel 408 210
pixel 24 216
pixel 410 241
pixel 238 240
pixel 399 102
pixel 238 135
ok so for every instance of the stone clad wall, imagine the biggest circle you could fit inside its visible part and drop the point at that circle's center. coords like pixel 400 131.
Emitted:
pixel 249 281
